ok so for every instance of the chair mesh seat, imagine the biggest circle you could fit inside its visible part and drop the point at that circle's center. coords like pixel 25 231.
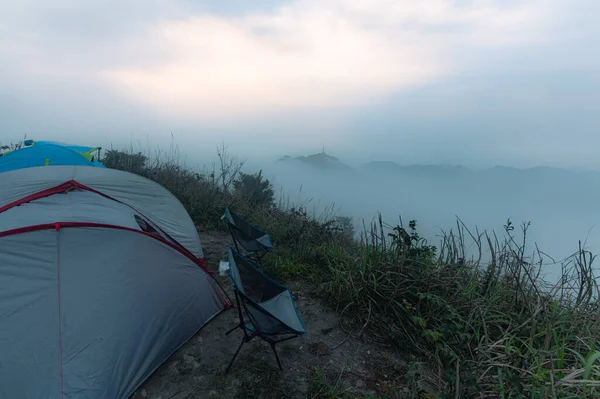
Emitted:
pixel 249 237
pixel 269 306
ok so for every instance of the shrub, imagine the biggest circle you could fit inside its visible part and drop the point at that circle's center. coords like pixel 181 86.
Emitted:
pixel 255 188
pixel 134 163
pixel 5 149
pixel 470 329
pixel 497 329
pixel 204 195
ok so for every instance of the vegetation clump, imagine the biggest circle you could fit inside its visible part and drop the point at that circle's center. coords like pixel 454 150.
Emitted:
pixel 468 327
pixel 204 195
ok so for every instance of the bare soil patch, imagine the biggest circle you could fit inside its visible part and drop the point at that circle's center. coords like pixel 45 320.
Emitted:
pixel 325 362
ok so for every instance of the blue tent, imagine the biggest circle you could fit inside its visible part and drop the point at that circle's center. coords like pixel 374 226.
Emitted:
pixel 43 153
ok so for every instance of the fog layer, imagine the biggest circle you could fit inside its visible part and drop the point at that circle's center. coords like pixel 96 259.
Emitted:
pixel 561 205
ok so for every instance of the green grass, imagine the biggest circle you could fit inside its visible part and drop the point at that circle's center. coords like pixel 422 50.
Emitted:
pixel 471 329
pixel 496 328
pixel 260 381
pixel 326 384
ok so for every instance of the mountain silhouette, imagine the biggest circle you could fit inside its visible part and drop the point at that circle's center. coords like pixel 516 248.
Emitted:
pixel 319 160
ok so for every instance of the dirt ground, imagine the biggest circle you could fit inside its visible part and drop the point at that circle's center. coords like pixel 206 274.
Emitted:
pixel 322 363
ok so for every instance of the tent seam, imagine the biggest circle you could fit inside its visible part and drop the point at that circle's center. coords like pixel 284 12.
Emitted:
pixel 93 190
pixel 49 226
pixel 61 188
pixel 62 386
pixel 71 184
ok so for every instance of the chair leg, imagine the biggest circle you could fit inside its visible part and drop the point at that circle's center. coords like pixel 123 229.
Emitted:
pixel 232 330
pixel 236 353
pixel 252 256
pixel 276 357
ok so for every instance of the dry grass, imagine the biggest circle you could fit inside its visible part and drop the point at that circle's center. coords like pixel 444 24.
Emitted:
pixel 469 327
pixel 206 193
pixel 481 330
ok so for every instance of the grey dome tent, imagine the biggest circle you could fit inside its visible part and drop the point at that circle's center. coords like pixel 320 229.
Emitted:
pixel 102 278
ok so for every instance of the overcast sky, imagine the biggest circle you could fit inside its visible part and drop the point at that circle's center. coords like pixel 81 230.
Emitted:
pixel 434 81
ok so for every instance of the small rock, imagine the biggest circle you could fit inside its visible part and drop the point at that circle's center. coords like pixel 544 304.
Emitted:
pixel 318 348
pixel 212 394
pixel 173 367
pixel 200 340
pixel 144 394
pixel 360 384
pixel 326 331
pixel 188 358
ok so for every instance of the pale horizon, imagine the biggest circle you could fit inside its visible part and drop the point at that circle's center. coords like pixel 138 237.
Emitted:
pixel 478 83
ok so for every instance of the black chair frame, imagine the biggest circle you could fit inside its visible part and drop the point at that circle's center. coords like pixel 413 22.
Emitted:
pixel 254 255
pixel 251 332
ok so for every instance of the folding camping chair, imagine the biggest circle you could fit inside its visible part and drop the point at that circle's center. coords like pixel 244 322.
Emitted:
pixel 255 241
pixel 269 306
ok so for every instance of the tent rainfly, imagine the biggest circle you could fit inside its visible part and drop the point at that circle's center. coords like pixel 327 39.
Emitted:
pixel 102 278
pixel 45 153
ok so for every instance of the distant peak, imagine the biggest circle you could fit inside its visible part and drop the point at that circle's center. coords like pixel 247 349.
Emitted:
pixel 321 160
pixel 323 155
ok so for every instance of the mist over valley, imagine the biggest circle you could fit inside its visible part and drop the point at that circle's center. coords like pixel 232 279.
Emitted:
pixel 561 205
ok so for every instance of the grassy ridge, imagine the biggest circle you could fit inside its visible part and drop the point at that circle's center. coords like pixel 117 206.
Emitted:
pixel 467 329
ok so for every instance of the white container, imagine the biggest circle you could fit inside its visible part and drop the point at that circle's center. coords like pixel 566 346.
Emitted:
pixel 223 268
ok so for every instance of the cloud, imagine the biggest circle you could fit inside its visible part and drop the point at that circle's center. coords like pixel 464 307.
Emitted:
pixel 293 68
pixel 263 64
pixel 311 54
